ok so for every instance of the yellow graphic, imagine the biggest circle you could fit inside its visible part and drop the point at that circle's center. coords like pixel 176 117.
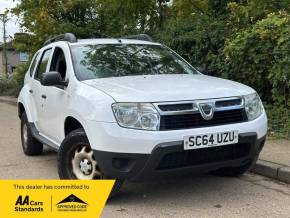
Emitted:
pixel 53 198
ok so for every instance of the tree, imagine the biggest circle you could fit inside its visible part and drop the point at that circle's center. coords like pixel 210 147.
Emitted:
pixel 4 20
pixel 45 18
pixel 88 18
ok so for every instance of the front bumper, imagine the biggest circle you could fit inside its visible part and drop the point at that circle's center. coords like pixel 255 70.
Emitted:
pixel 171 159
pixel 110 137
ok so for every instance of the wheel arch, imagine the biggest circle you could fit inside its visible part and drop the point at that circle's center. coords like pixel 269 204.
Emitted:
pixel 71 124
pixel 25 104
pixel 21 109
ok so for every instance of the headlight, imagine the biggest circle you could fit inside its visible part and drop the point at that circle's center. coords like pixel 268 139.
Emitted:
pixel 253 106
pixel 136 115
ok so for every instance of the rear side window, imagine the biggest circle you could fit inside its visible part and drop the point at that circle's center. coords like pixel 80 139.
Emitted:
pixel 43 64
pixel 33 64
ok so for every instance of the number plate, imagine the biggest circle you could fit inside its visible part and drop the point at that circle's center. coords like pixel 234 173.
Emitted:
pixel 210 140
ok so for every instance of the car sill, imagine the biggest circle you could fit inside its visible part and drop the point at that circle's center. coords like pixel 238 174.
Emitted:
pixel 42 139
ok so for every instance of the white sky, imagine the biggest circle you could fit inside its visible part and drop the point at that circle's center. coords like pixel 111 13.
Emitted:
pixel 12 25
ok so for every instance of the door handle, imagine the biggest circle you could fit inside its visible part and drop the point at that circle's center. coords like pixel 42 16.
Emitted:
pixel 31 91
pixel 43 96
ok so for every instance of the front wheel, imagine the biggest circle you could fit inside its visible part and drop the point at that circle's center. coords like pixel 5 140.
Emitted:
pixel 76 160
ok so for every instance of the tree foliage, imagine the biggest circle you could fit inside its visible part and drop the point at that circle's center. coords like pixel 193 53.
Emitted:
pixel 88 18
pixel 260 56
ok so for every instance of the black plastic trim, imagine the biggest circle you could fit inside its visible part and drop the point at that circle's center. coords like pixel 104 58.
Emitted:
pixel 139 167
pixel 68 37
pixel 41 139
pixel 143 37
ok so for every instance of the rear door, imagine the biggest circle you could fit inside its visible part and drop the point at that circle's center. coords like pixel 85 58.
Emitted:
pixel 32 102
pixel 37 88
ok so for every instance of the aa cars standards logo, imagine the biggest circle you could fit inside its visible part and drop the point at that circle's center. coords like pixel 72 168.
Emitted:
pixel 26 204
pixel 72 204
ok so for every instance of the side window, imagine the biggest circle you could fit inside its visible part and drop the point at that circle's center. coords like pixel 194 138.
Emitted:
pixel 32 66
pixel 58 62
pixel 41 69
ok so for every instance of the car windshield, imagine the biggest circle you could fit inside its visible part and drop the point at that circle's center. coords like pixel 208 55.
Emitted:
pixel 115 60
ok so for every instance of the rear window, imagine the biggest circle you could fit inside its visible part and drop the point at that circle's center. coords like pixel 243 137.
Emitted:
pixel 115 60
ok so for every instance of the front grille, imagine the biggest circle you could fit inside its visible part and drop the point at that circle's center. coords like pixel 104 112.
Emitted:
pixel 195 120
pixel 176 107
pixel 203 156
pixel 227 103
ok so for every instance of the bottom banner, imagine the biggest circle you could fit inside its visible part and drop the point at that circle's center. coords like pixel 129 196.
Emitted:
pixel 53 198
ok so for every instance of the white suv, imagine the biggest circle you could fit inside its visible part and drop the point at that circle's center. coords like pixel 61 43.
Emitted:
pixel 132 109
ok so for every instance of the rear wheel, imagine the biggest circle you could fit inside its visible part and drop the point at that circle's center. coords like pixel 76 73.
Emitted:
pixel 76 160
pixel 31 146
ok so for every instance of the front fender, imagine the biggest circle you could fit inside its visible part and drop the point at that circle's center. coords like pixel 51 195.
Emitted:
pixel 90 104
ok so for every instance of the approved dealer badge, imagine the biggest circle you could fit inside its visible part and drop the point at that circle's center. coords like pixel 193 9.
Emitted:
pixel 53 198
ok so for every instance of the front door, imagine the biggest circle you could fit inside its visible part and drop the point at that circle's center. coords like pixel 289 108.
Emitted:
pixel 56 99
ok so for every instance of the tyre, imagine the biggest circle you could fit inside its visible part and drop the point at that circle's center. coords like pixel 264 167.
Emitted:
pixel 76 160
pixel 232 171
pixel 31 146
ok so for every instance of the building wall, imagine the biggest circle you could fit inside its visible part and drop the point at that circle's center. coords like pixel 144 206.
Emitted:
pixel 13 59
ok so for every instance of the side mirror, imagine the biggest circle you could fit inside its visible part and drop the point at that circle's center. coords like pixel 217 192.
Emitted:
pixel 53 78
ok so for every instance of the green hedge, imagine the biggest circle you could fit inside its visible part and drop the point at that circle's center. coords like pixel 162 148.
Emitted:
pixel 279 121
pixel 8 86
pixel 13 84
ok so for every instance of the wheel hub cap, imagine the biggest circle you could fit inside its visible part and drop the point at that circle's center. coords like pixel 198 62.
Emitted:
pixel 84 166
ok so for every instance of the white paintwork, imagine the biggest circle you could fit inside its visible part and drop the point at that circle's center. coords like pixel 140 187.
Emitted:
pixel 111 137
pixel 158 88
pixel 90 103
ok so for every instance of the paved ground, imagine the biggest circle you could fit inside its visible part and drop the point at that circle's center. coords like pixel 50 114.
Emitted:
pixel 14 165
pixel 277 151
pixel 192 196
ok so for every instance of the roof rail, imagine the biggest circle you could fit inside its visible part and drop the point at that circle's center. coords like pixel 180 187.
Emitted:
pixel 143 37
pixel 69 37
